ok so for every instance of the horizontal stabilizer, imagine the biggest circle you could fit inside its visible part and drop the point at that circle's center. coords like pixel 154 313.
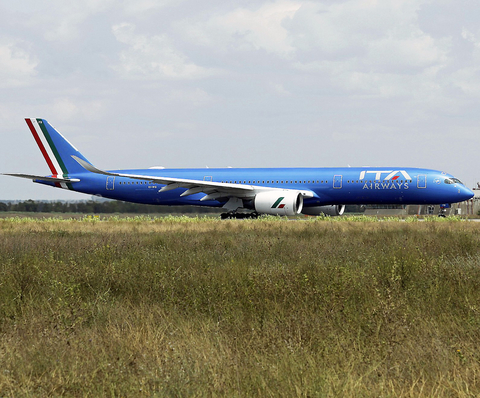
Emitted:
pixel 42 178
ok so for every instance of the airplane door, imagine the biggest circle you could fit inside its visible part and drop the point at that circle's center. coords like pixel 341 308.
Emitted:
pixel 207 178
pixel 110 183
pixel 421 181
pixel 337 182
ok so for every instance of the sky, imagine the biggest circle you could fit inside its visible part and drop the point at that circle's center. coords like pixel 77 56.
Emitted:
pixel 188 83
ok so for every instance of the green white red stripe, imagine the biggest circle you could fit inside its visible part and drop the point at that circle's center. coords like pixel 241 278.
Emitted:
pixel 277 203
pixel 48 149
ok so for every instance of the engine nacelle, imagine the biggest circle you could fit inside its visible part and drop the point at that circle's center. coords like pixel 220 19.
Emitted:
pixel 281 203
pixel 331 210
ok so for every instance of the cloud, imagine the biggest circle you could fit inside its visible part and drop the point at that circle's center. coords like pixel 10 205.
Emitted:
pixel 405 53
pixel 469 36
pixel 196 97
pixel 367 47
pixel 466 76
pixel 468 80
pixel 385 31
pixel 137 7
pixel 17 66
pixel 153 57
pixel 64 20
pixel 67 109
pixel 345 28
pixel 244 29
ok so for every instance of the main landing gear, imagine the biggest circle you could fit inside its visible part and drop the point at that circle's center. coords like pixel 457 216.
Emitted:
pixel 234 215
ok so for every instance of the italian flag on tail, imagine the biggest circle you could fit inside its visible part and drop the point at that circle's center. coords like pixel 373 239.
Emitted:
pixel 56 150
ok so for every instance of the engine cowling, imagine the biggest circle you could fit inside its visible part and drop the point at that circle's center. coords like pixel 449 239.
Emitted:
pixel 331 210
pixel 281 203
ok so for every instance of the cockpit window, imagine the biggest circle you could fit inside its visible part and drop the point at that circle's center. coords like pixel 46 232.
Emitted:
pixel 453 180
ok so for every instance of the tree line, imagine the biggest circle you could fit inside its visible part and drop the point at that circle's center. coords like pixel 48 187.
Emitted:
pixel 113 206
pixel 92 206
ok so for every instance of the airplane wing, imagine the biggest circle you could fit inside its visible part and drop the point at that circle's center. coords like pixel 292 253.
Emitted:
pixel 213 190
pixel 42 178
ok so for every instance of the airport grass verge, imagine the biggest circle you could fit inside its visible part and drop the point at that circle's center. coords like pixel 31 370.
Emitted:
pixel 183 306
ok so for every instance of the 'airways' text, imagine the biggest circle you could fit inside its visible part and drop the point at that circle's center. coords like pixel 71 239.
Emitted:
pixel 385 185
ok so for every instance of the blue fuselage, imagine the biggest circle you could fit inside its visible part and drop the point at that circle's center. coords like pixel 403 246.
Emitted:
pixel 330 186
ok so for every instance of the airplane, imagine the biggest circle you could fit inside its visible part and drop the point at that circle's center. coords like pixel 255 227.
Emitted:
pixel 244 192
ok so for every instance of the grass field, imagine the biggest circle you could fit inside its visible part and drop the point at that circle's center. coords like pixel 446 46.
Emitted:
pixel 202 307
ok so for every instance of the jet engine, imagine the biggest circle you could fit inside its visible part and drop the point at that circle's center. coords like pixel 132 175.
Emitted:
pixel 331 210
pixel 281 203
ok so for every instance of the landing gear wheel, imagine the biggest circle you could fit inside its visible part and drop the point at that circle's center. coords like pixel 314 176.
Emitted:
pixel 239 216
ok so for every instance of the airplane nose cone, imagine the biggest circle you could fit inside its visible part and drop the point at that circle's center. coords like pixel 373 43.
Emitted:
pixel 465 194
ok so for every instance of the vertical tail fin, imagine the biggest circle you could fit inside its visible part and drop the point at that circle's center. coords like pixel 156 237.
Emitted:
pixel 55 148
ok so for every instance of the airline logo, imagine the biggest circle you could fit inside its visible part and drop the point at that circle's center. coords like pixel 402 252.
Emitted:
pixel 388 181
pixel 391 174
pixel 277 204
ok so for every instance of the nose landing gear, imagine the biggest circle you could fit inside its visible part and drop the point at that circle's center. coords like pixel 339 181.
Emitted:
pixel 443 210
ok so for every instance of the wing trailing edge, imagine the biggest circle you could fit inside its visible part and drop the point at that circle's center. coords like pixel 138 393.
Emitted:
pixel 213 190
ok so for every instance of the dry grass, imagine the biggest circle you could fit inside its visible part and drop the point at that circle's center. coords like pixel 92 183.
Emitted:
pixel 199 307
